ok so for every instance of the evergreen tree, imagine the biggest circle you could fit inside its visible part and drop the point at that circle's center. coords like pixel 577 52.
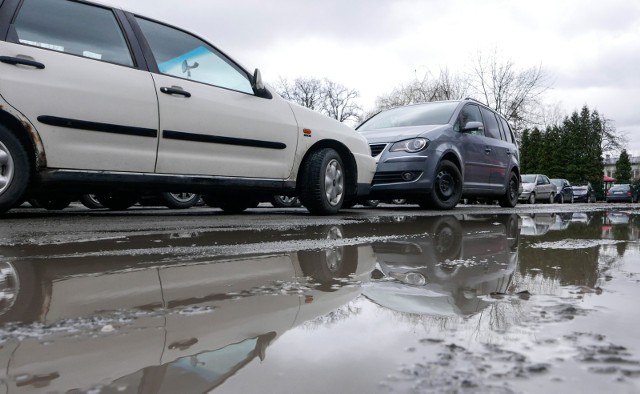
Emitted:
pixel 623 168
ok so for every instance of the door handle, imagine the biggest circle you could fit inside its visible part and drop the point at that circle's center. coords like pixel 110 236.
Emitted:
pixel 508 152
pixel 18 60
pixel 174 90
pixel 487 150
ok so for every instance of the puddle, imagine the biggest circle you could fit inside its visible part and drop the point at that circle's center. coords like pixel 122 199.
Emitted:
pixel 453 303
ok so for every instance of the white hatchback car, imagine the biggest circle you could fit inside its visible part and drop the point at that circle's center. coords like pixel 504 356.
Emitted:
pixel 95 99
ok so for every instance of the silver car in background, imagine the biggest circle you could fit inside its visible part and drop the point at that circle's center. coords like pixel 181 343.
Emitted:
pixel 537 187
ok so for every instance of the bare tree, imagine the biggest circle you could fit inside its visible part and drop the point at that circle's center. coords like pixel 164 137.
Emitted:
pixel 515 94
pixel 304 91
pixel 325 96
pixel 339 102
pixel 612 141
pixel 446 86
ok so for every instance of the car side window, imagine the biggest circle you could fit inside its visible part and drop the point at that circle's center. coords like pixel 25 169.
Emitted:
pixel 182 55
pixel 469 113
pixel 75 28
pixel 507 130
pixel 491 124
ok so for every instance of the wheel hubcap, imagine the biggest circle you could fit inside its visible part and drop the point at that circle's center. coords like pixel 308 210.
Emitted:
pixel 334 255
pixel 6 168
pixel 333 182
pixel 183 197
pixel 446 184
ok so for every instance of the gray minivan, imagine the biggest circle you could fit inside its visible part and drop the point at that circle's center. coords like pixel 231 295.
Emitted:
pixel 438 152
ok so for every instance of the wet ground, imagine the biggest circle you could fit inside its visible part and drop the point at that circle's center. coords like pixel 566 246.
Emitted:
pixel 478 300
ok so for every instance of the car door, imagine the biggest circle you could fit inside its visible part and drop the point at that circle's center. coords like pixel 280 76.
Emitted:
pixel 498 151
pixel 474 143
pixel 67 67
pixel 212 122
pixel 544 187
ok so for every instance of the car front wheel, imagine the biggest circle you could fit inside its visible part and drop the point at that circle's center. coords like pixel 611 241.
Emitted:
pixel 532 198
pixel 447 187
pixel 322 190
pixel 15 170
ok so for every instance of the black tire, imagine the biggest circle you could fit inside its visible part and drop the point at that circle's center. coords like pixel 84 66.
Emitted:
pixel 22 291
pixel 15 170
pixel 51 203
pixel 322 189
pixel 510 198
pixel 117 202
pixel 179 200
pixel 552 198
pixel 447 238
pixel 532 198
pixel 332 265
pixel 370 203
pixel 90 201
pixel 284 201
pixel 229 205
pixel 447 188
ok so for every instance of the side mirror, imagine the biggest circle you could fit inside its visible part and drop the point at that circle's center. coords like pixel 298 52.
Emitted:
pixel 258 86
pixel 473 126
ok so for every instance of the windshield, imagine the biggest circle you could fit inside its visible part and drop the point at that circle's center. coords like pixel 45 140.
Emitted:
pixel 412 115
pixel 528 179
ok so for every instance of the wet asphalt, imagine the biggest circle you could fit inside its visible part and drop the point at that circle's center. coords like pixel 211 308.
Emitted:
pixel 480 299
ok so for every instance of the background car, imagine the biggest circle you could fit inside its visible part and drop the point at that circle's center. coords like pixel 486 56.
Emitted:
pixel 564 191
pixel 583 192
pixel 622 193
pixel 537 187
pixel 436 153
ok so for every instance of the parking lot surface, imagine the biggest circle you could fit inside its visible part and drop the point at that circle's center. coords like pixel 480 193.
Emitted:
pixel 538 298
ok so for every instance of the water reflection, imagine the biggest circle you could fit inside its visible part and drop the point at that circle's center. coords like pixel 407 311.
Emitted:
pixel 449 271
pixel 72 326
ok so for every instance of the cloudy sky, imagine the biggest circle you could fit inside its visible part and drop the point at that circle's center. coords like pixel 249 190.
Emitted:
pixel 590 49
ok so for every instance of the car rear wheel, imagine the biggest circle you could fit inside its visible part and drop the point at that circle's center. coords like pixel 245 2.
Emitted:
pixel 447 187
pixel 284 201
pixel 117 202
pixel 15 170
pixel 510 198
pixel 90 201
pixel 51 203
pixel 322 189
pixel 179 200
pixel 552 198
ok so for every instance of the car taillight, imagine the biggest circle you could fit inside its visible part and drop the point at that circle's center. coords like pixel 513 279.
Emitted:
pixel 629 194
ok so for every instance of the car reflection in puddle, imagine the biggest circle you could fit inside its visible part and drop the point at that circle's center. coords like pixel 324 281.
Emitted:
pixel 80 326
pixel 449 272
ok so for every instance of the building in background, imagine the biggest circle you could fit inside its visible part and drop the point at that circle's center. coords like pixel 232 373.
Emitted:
pixel 610 166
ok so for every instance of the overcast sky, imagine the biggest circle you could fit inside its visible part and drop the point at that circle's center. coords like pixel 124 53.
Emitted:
pixel 590 49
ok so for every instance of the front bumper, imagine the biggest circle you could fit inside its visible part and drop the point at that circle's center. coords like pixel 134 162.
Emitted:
pixel 403 175
pixel 524 196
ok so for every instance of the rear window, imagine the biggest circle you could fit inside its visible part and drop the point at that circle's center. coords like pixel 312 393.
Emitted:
pixel 412 115
pixel 619 188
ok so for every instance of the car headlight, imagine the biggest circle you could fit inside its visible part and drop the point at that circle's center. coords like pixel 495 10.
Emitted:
pixel 410 278
pixel 412 146
pixel 527 189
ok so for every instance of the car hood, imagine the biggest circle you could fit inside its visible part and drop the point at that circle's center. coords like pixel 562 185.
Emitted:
pixel 394 134
pixel 527 185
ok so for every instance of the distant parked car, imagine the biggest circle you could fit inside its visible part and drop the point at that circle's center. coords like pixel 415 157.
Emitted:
pixel 436 153
pixel 622 193
pixel 537 187
pixel 564 191
pixel 583 192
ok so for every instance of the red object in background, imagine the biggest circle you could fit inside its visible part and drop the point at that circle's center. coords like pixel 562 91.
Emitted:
pixel 607 179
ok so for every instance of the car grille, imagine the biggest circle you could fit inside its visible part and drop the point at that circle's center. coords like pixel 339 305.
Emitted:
pixel 392 177
pixel 376 149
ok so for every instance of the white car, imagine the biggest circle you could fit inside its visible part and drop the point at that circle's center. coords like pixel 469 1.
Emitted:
pixel 95 99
